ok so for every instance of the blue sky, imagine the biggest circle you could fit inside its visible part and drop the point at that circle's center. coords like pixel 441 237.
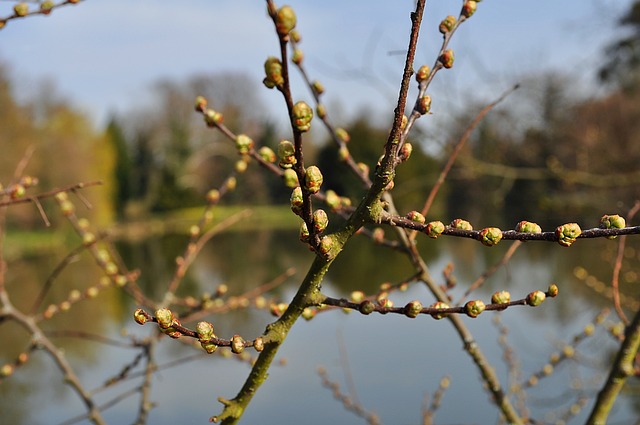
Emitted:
pixel 105 54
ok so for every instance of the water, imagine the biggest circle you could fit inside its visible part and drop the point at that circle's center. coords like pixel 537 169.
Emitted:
pixel 392 362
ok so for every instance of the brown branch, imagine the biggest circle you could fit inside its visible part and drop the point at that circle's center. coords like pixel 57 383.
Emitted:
pixel 618 265
pixel 71 188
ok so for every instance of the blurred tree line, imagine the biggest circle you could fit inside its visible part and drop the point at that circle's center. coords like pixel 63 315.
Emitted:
pixel 520 163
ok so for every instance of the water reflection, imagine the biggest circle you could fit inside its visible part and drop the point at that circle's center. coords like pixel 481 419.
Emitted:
pixel 394 361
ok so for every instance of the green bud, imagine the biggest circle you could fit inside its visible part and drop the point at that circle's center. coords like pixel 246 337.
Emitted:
pixel 165 317
pixel 536 298
pixel 439 306
pixel 67 208
pixel 244 143
pixel 474 308
pixel 237 344
pixel 434 229
pixel 367 307
pixel 209 347
pixel 313 179
pixel 553 290
pixel 308 313
pixel 490 236
pixel 415 216
pixel 343 153
pixel 295 36
pixel 297 201
pixel 7 370
pixel 320 220
pixel 267 154
pixel 273 71
pixel 332 199
pixel 357 296
pixel 501 297
pixel 459 223
pixel 364 168
pixel 423 73
pixel 303 234
pixel 200 104
pixel 423 105
pixel 290 178
pixel 258 344
pixel 46 6
pixel 241 166
pixel 302 115
pixel 212 118
pixel 528 227
pixel 286 153
pixel 213 196
pixel 231 183
pixel 21 9
pixel 285 20
pixel 412 309
pixel 568 233
pixel 140 317
pixel 469 8
pixel 297 57
pixel 343 135
pixel 317 87
pixel 447 24
pixel 205 331
pixel 612 222
pixel 405 151
pixel 447 58
pixel 321 111
pixel 328 247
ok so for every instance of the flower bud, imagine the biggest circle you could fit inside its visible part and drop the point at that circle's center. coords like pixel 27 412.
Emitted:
pixel 367 307
pixel 165 317
pixel 553 290
pixel 290 178
pixel 490 236
pixel 612 222
pixel 296 200
pixel 21 9
pixel 364 168
pixel 7 370
pixel 302 115
pixel 213 196
pixel 568 233
pixel 343 153
pixel 295 36
pixel 528 227
pixel 317 88
pixel 439 306
pixel 501 297
pixel 258 344
pixel 46 6
pixel 447 24
pixel 231 183
pixel 244 143
pixel 212 118
pixel 267 154
pixel 140 317
pixel 412 309
pixel 237 344
pixel 200 104
pixel 308 313
pixel 320 220
pixel 536 298
pixel 332 200
pixel 297 57
pixel 434 229
pixel 321 111
pixel 446 59
pixel 328 247
pixel 273 71
pixel 241 166
pixel 357 296
pixel 285 20
pixel 343 135
pixel 423 73
pixel 205 331
pixel 459 223
pixel 469 8
pixel 415 216
pixel 303 234
pixel 378 235
pixel 474 308
pixel 286 153
pixel 313 179
pixel 209 347
pixel 405 151
pixel 423 106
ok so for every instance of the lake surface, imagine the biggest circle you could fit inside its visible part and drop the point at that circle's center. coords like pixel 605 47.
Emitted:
pixel 393 362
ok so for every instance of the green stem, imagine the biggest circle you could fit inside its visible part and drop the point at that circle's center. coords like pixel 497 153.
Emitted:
pixel 622 368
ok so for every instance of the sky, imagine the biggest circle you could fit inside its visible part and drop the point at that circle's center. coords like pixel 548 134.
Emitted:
pixel 104 55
